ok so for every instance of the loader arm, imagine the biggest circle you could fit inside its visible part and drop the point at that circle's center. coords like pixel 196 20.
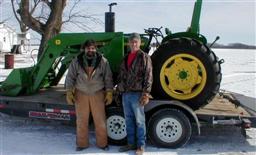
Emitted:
pixel 56 58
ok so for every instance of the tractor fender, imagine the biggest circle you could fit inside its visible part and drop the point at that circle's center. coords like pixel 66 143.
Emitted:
pixel 154 105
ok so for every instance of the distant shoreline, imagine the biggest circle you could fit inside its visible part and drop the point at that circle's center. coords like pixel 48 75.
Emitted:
pixel 229 46
pixel 233 46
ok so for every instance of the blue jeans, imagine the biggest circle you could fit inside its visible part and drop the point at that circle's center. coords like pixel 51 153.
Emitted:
pixel 134 118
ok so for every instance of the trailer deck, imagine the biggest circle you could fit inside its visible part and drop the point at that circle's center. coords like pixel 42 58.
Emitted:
pixel 54 98
pixel 222 107
pixel 53 95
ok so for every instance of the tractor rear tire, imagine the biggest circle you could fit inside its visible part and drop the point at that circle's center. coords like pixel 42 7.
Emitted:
pixel 186 70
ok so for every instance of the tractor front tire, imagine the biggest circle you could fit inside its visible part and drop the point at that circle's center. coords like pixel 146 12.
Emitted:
pixel 186 70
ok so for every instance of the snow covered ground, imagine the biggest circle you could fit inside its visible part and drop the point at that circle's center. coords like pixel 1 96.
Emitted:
pixel 28 136
pixel 239 70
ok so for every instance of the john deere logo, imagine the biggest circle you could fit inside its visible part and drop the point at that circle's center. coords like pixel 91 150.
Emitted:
pixel 57 42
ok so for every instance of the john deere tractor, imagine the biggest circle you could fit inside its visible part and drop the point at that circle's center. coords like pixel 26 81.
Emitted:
pixel 185 69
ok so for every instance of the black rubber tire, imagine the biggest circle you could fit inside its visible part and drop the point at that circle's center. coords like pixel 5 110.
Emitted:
pixel 174 114
pixel 198 50
pixel 116 112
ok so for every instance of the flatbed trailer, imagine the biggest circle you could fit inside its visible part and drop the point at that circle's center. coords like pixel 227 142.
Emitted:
pixel 225 109
pixel 187 75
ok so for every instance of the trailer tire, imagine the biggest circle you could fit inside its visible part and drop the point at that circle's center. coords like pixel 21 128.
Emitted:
pixel 169 128
pixel 187 70
pixel 116 127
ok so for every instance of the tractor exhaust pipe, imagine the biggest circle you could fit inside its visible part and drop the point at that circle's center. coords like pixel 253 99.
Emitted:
pixel 110 19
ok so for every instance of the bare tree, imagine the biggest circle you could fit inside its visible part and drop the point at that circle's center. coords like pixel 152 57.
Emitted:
pixel 47 27
pixel 46 17
pixel 80 19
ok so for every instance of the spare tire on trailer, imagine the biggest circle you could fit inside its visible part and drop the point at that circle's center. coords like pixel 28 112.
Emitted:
pixel 187 70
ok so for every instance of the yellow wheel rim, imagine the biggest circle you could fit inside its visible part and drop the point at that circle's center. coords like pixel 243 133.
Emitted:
pixel 183 76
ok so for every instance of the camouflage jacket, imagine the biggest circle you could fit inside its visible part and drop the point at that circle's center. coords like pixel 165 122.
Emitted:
pixel 138 77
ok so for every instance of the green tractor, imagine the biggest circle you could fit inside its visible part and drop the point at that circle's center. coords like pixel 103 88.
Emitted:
pixel 186 72
pixel 185 68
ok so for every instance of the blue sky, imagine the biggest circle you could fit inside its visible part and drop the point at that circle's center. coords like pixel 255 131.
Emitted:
pixel 232 20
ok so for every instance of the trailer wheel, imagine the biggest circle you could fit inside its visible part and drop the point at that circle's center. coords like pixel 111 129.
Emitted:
pixel 169 128
pixel 116 127
pixel 187 70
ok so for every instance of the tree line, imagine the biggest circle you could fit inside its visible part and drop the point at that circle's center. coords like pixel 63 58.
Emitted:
pixel 234 46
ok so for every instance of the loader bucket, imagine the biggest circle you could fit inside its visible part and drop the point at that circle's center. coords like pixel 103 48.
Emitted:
pixel 16 81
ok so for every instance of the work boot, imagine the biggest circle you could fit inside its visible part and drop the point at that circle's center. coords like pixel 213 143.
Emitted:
pixel 80 148
pixel 105 148
pixel 127 148
pixel 139 151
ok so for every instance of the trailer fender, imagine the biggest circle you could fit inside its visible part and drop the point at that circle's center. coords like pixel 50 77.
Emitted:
pixel 159 104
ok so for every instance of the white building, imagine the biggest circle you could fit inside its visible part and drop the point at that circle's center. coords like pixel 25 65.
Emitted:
pixel 8 38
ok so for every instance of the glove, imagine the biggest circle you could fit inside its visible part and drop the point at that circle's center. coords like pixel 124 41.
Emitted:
pixel 108 97
pixel 144 99
pixel 70 97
